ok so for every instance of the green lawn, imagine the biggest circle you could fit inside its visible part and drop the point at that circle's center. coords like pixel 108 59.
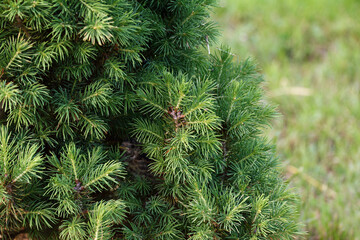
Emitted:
pixel 309 52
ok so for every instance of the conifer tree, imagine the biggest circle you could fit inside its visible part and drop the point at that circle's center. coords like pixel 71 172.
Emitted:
pixel 119 123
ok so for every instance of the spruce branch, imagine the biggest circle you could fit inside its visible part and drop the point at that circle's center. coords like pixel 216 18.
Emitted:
pixel 16 53
pixel 40 216
pixel 97 29
pixel 29 163
pixel 10 95
pixel 73 229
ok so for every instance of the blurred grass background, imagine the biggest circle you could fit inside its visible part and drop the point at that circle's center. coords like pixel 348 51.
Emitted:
pixel 309 52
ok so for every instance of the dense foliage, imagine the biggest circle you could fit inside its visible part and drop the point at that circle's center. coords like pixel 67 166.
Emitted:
pixel 118 123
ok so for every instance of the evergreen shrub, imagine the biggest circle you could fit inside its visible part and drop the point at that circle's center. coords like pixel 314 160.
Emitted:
pixel 118 122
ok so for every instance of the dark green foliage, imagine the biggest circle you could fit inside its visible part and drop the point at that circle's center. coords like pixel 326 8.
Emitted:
pixel 135 130
pixel 21 168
